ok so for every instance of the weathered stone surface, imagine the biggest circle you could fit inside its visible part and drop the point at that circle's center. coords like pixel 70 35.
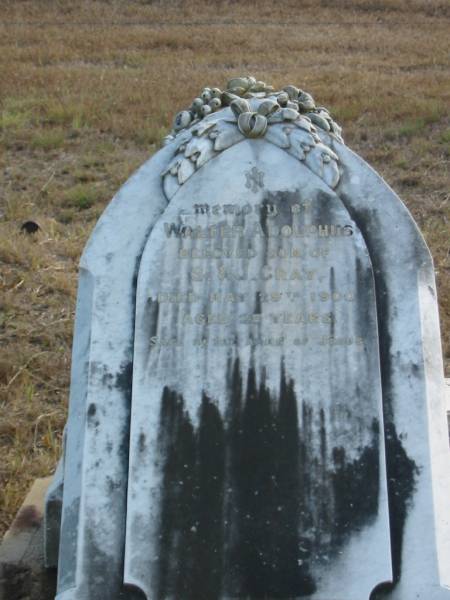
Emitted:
pixel 96 450
pixel 413 387
pixel 256 406
pixel 257 399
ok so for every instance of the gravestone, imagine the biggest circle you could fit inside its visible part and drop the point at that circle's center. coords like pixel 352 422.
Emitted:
pixel 257 397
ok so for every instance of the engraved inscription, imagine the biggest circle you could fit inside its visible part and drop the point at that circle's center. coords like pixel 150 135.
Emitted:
pixel 267 273
pixel 268 209
pixel 283 253
pixel 282 340
pixel 210 253
pixel 232 231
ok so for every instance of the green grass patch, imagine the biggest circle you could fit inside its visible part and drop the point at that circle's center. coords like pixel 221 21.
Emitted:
pixel 11 120
pixel 415 126
pixel 82 196
pixel 151 135
pixel 402 163
pixel 93 161
pixel 390 134
pixel 84 175
pixel 19 114
pixel 104 148
pixel 349 111
pixel 16 113
pixel 64 113
pixel 411 128
pixel 445 137
pixel 431 111
pixel 47 139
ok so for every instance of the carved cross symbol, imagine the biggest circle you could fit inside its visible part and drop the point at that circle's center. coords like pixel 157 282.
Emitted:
pixel 255 179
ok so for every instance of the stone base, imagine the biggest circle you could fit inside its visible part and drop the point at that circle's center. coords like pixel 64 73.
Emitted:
pixel 22 572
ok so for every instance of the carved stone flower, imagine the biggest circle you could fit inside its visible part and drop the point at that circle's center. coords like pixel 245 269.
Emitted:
pixel 248 87
pixel 287 118
pixel 253 124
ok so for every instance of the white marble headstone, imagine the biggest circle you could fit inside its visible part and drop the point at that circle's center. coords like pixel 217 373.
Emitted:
pixel 257 400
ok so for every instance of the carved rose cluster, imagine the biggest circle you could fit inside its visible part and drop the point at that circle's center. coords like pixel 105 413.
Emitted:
pixel 291 100
pixel 248 108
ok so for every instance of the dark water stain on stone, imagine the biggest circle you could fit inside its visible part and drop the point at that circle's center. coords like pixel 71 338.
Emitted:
pixel 258 308
pixel 100 371
pixel 190 564
pixel 356 487
pixel 92 418
pixel 263 560
pixel 364 281
pixel 152 314
pixel 113 485
pixel 124 379
pixel 401 473
pixel 123 383
pixel 401 470
pixel 248 508
pixel 103 579
pixel 332 284
pixel 108 380
pixel 142 442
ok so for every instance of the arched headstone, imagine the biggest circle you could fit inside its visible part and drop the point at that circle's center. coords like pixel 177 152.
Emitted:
pixel 257 402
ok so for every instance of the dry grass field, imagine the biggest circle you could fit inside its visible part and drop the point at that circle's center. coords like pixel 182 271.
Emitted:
pixel 87 91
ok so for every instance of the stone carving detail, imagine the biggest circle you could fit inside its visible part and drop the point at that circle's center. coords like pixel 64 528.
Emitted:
pixel 248 108
pixel 254 179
